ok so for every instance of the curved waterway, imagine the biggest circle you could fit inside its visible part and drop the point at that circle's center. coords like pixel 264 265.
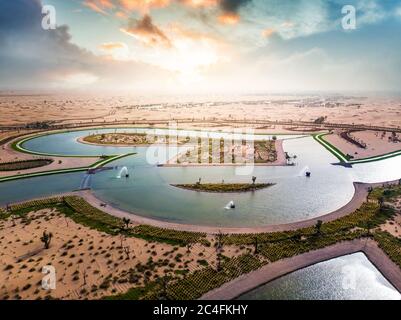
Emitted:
pixel 148 192
pixel 350 277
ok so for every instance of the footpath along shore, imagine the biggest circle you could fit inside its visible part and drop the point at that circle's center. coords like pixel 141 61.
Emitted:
pixel 360 196
pixel 271 271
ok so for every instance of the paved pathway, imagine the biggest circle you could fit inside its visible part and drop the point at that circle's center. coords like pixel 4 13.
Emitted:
pixel 269 272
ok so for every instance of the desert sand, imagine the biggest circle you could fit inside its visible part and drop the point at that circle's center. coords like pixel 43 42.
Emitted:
pixel 18 108
pixel 377 143
pixel 88 263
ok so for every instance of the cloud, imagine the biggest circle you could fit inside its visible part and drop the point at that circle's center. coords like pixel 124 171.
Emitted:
pixel 230 10
pixel 267 33
pixel 233 5
pixel 189 53
pixel 28 52
pixel 112 46
pixel 99 6
pixel 143 5
pixel 200 3
pixel 118 51
pixel 147 32
pixel 33 58
pixel 369 12
pixel 229 18
pixel 398 12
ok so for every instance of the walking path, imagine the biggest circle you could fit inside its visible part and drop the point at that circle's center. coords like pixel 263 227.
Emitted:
pixel 271 271
pixel 360 195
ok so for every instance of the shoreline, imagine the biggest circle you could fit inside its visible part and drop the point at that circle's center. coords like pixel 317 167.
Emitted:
pixel 248 282
pixel 360 195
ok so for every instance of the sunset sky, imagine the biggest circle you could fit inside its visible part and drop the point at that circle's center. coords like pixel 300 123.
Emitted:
pixel 192 46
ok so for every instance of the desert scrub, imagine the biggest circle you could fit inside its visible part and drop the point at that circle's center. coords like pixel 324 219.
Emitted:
pixel 387 192
pixel 198 283
pixel 87 215
pixel 181 238
pixel 369 213
pixel 390 245
pixel 83 213
pixel 24 164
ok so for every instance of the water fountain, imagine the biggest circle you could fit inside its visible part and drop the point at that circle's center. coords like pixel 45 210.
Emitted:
pixel 86 182
pixel 123 173
pixel 230 205
pixel 304 171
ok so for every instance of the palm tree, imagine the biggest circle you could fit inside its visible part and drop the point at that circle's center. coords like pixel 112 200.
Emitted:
pixel 368 227
pixel 255 243
pixel 127 251
pixel 46 238
pixel 218 262
pixel 219 241
pixel 126 222
pixel 164 282
pixel 318 226
pixel 381 202
pixel 189 246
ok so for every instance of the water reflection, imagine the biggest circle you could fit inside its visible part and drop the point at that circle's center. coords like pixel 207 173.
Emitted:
pixel 350 277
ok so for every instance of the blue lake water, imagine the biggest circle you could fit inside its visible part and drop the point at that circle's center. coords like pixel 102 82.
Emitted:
pixel 350 277
pixel 148 192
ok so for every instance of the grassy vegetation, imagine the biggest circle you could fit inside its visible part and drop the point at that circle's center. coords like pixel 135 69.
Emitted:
pixel 223 187
pixel 24 164
pixel 270 247
pixel 390 245
pixel 332 149
pixel 370 214
pixel 385 193
pixel 167 235
pixel 83 213
pixel 138 293
pixel 196 284
pixel 279 245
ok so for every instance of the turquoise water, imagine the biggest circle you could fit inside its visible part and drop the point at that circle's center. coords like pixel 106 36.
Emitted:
pixel 350 277
pixel 26 189
pixel 66 143
pixel 148 192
